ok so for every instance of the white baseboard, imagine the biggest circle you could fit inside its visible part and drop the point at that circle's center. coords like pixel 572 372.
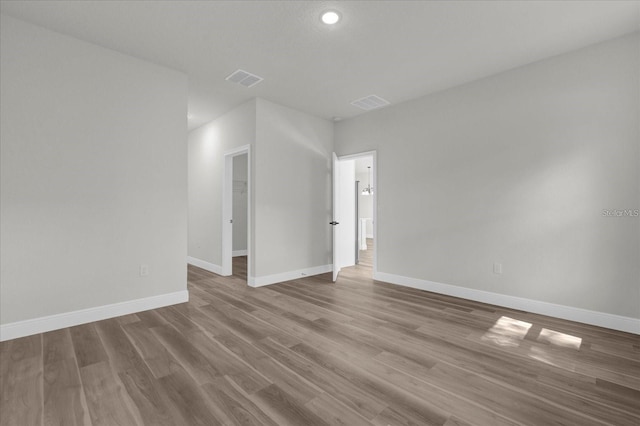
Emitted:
pixel 601 319
pixel 237 253
pixel 29 327
pixel 370 235
pixel 211 267
pixel 290 275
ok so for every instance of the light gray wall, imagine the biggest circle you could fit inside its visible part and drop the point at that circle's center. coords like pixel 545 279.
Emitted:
pixel 290 177
pixel 516 168
pixel 93 175
pixel 292 190
pixel 240 202
pixel 207 145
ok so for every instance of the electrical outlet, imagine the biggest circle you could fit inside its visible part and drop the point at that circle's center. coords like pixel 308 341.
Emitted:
pixel 144 270
pixel 497 268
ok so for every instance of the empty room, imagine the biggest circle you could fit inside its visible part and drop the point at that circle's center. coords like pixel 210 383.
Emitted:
pixel 319 213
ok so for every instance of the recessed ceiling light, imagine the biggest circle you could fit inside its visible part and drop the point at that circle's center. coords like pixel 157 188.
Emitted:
pixel 330 17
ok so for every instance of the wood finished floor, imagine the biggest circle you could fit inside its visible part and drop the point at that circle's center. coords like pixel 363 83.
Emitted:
pixel 309 352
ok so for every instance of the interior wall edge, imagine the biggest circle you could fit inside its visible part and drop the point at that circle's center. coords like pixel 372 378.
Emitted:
pixel 207 266
pixel 289 275
pixel 69 319
pixel 585 316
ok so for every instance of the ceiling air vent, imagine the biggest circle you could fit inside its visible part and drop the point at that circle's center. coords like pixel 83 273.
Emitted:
pixel 370 102
pixel 244 78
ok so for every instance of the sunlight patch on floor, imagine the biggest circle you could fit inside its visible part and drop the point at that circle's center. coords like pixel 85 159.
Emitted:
pixel 507 332
pixel 559 339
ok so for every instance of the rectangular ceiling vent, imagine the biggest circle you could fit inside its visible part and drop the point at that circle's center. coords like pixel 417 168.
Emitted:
pixel 244 78
pixel 370 102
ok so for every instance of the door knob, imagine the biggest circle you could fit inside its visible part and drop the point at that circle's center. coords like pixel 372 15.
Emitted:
pixel 334 223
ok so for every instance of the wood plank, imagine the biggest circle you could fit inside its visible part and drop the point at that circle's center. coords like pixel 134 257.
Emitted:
pixel 193 361
pixel 140 384
pixel 284 409
pixel 177 319
pixel 21 392
pixel 151 318
pixel 64 400
pixel 454 421
pixel 57 346
pixel 87 345
pixel 157 358
pixel 187 398
pixel 337 386
pixel 335 413
pixel 249 325
pixel 105 395
pixel 236 405
pixel 412 409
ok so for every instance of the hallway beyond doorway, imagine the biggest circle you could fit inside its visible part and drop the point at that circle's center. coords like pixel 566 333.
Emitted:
pixel 364 268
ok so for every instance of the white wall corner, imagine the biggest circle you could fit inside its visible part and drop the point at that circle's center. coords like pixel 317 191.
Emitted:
pixel 69 319
pixel 600 319
pixel 287 276
pixel 207 266
pixel 237 253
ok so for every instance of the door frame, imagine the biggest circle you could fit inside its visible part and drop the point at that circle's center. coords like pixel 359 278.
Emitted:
pixel 374 183
pixel 227 211
pixel 335 195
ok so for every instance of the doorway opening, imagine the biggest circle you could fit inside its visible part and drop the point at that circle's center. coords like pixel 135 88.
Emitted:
pixel 365 192
pixel 236 240
pixel 355 192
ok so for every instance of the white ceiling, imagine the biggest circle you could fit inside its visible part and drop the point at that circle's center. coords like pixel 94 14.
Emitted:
pixel 395 49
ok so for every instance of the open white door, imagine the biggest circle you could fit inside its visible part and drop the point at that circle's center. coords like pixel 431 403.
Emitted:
pixel 227 210
pixel 334 222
